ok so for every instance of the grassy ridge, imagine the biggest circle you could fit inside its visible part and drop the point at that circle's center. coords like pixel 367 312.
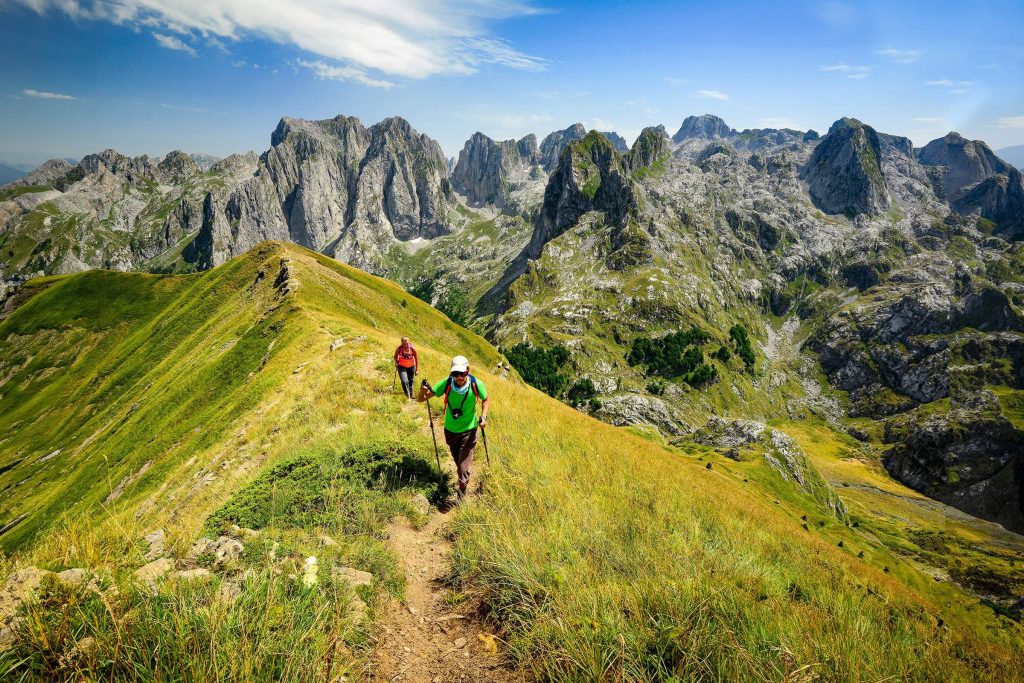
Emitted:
pixel 602 555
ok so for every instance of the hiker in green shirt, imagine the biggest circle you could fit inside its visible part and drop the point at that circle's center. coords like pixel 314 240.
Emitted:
pixel 461 391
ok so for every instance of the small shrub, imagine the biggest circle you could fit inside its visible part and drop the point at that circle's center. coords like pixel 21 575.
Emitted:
pixel 581 391
pixel 744 349
pixel 656 386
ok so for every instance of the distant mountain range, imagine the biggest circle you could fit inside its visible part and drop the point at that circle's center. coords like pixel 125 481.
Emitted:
pixel 844 275
pixel 1014 154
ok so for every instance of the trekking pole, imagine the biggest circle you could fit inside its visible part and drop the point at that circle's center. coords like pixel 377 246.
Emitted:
pixel 486 452
pixel 433 435
pixel 394 381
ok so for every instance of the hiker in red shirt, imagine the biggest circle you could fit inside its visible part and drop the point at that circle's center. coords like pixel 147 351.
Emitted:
pixel 407 364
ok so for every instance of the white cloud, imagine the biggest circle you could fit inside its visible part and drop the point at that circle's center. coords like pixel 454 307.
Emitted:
pixel 855 73
pixel 172 43
pixel 1011 122
pixel 328 72
pixel 403 38
pixel 43 95
pixel 711 95
pixel 951 86
pixel 901 56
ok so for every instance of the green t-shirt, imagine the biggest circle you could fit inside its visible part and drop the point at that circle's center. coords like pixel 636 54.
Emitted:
pixel 465 402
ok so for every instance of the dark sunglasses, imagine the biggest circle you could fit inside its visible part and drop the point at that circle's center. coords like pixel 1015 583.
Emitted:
pixel 460 374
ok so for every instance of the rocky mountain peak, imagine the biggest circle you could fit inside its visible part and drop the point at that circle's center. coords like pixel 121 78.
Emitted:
pixel 553 144
pixel 591 176
pixel 844 173
pixel 529 149
pixel 966 162
pixel 177 163
pixel 705 126
pixel 618 142
pixel 50 171
pixel 650 146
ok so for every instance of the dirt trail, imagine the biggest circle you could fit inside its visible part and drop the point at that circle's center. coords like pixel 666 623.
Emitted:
pixel 425 639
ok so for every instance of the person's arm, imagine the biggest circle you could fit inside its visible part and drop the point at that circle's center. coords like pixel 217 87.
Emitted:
pixel 394 357
pixel 415 362
pixel 483 411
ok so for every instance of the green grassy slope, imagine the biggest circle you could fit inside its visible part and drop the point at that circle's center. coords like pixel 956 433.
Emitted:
pixel 600 553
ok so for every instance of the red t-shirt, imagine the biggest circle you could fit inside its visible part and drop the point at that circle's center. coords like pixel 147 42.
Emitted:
pixel 406 359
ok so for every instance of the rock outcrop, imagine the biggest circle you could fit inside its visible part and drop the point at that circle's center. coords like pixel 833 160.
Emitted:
pixel 487 170
pixel 970 457
pixel 650 146
pixel 704 127
pixel 844 174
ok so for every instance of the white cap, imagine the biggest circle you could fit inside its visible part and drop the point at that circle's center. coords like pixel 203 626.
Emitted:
pixel 460 364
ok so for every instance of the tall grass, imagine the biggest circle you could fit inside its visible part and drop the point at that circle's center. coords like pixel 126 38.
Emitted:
pixel 607 557
pixel 601 555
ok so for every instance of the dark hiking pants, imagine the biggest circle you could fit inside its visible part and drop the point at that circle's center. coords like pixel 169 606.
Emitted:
pixel 461 445
pixel 406 375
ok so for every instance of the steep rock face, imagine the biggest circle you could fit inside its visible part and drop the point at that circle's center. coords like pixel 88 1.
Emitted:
pixel 651 145
pixel 964 163
pixel 618 142
pixel 705 127
pixel 970 457
pixel 844 174
pixel 552 145
pixel 402 193
pixel 999 199
pixel 487 170
pixel 333 186
pixel 591 176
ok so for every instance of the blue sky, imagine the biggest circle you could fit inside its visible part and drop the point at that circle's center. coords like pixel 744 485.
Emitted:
pixel 149 76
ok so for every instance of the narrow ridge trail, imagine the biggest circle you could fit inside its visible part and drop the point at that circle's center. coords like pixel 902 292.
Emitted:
pixel 426 638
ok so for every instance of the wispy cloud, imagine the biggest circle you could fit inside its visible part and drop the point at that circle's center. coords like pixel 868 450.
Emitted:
pixel 599 124
pixel 43 95
pixel 328 72
pixel 1010 122
pixel 511 121
pixel 711 95
pixel 951 86
pixel 901 56
pixel 173 43
pixel 398 38
pixel 855 73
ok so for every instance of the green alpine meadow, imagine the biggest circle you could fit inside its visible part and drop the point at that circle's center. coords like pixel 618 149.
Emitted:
pixel 254 403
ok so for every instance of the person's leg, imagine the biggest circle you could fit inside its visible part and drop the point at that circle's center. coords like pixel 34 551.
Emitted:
pixel 465 460
pixel 405 374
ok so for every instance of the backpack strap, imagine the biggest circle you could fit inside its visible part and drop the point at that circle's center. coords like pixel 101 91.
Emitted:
pixel 448 388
